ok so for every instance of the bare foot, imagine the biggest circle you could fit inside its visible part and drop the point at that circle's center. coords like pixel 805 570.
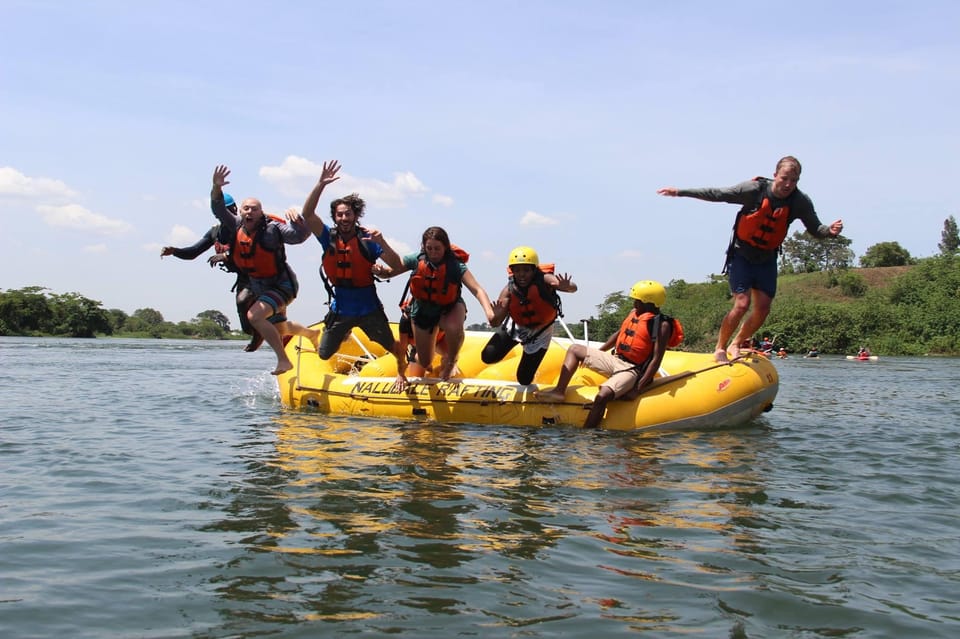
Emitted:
pixel 448 370
pixel 720 356
pixel 734 351
pixel 550 395
pixel 282 367
pixel 255 343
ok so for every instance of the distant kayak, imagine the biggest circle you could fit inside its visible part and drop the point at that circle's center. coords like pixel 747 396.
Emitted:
pixel 863 358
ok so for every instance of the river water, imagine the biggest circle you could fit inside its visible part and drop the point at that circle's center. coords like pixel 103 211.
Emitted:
pixel 157 488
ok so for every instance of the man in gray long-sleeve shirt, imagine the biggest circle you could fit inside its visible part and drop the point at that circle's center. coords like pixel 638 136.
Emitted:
pixel 768 209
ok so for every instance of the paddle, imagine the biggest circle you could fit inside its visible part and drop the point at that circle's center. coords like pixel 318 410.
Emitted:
pixel 662 381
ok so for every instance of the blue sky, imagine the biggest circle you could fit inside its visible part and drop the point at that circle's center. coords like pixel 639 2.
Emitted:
pixel 549 124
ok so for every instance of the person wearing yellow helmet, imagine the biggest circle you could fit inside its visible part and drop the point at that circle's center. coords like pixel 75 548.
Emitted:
pixel 636 351
pixel 531 302
pixel 768 209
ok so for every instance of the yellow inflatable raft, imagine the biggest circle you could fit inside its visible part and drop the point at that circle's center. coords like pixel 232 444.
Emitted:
pixel 691 391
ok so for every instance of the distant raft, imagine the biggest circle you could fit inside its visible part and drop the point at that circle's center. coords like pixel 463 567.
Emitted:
pixel 691 391
pixel 863 358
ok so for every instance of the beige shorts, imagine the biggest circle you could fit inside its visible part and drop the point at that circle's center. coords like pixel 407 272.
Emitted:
pixel 622 375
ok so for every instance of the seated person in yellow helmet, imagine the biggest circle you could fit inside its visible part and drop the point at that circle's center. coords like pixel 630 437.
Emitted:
pixel 638 349
pixel 530 300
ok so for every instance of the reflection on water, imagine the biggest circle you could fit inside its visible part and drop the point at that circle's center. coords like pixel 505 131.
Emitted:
pixel 357 520
pixel 146 494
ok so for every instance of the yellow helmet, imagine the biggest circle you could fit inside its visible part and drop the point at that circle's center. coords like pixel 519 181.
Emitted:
pixel 523 255
pixel 649 292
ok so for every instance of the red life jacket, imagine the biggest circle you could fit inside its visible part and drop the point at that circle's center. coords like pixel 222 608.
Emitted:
pixel 441 284
pixel 536 305
pixel 250 255
pixel 763 227
pixel 635 343
pixel 348 264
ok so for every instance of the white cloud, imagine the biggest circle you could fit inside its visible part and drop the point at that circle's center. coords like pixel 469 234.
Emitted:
pixel 95 248
pixel 74 216
pixel 630 254
pixel 401 247
pixel 443 200
pixel 531 218
pixel 296 176
pixel 181 236
pixel 15 184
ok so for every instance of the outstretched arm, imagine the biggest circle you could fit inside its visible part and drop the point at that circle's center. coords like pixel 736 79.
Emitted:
pixel 327 176
pixel 742 193
pixel 392 258
pixel 388 255
pixel 194 250
pixel 471 283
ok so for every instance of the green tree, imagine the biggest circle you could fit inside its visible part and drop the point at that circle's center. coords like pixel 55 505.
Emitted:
pixel 216 317
pixel 146 320
pixel 803 253
pixel 886 254
pixel 78 316
pixel 118 319
pixel 610 314
pixel 25 311
pixel 949 237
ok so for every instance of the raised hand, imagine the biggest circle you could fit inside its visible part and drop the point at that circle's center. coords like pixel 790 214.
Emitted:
pixel 220 174
pixel 329 173
pixel 566 282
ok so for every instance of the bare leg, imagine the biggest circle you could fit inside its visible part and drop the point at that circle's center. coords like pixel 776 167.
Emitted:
pixel 293 328
pixel 259 316
pixel 425 341
pixel 755 318
pixel 452 325
pixel 400 353
pixel 575 355
pixel 595 416
pixel 741 302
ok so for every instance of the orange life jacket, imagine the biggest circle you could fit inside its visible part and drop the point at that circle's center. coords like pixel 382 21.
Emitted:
pixel 440 284
pixel 763 227
pixel 252 257
pixel 348 264
pixel 534 306
pixel 635 342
